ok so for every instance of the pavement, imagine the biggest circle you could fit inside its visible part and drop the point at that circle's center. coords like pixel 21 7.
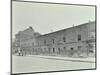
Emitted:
pixel 65 58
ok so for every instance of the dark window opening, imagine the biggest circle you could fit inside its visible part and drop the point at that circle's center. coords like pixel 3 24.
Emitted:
pixel 90 46
pixel 53 40
pixel 59 50
pixel 53 50
pixel 64 39
pixel 71 51
pixel 44 41
pixel 64 48
pixel 79 47
pixel 71 48
pixel 79 37
pixel 91 51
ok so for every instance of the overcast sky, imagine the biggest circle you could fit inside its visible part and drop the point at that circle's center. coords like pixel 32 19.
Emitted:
pixel 46 18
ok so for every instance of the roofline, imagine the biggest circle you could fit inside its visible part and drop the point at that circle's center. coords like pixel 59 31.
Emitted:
pixel 68 28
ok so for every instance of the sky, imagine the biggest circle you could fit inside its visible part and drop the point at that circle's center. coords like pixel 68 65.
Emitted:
pixel 46 18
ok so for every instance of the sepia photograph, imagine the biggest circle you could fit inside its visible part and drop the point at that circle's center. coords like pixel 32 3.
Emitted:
pixel 52 37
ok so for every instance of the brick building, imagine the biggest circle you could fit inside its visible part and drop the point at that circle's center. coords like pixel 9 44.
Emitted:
pixel 76 41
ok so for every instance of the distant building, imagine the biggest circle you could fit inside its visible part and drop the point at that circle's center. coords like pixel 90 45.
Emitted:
pixel 77 41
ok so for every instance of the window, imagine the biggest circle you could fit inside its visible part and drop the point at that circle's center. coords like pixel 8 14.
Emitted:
pixel 64 48
pixel 59 50
pixel 33 44
pixel 92 35
pixel 71 48
pixel 91 51
pixel 53 50
pixel 79 47
pixel 44 41
pixel 53 41
pixel 49 50
pixel 79 37
pixel 90 46
pixel 64 39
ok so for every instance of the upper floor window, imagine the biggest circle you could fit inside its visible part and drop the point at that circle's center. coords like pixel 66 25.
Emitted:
pixel 44 41
pixel 72 49
pixel 64 48
pixel 79 47
pixel 92 35
pixel 64 39
pixel 79 37
pixel 33 43
pixel 38 43
pixel 53 41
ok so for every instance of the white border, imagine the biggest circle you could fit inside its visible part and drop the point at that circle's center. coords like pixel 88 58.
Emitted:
pixel 5 37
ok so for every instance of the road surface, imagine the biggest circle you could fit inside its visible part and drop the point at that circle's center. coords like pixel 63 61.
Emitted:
pixel 24 64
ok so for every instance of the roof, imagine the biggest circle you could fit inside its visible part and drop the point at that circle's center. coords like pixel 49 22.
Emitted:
pixel 68 28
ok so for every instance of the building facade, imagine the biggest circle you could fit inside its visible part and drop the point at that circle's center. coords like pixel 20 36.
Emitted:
pixel 77 41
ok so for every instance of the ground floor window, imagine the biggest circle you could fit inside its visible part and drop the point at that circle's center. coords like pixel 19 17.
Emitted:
pixel 64 48
pixel 49 49
pixel 71 48
pixel 59 50
pixel 90 51
pixel 79 47
pixel 71 51
pixel 53 50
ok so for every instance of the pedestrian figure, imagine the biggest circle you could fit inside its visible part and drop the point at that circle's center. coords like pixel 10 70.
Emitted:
pixel 19 51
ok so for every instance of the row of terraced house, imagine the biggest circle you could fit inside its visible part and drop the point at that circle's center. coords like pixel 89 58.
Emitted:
pixel 76 41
